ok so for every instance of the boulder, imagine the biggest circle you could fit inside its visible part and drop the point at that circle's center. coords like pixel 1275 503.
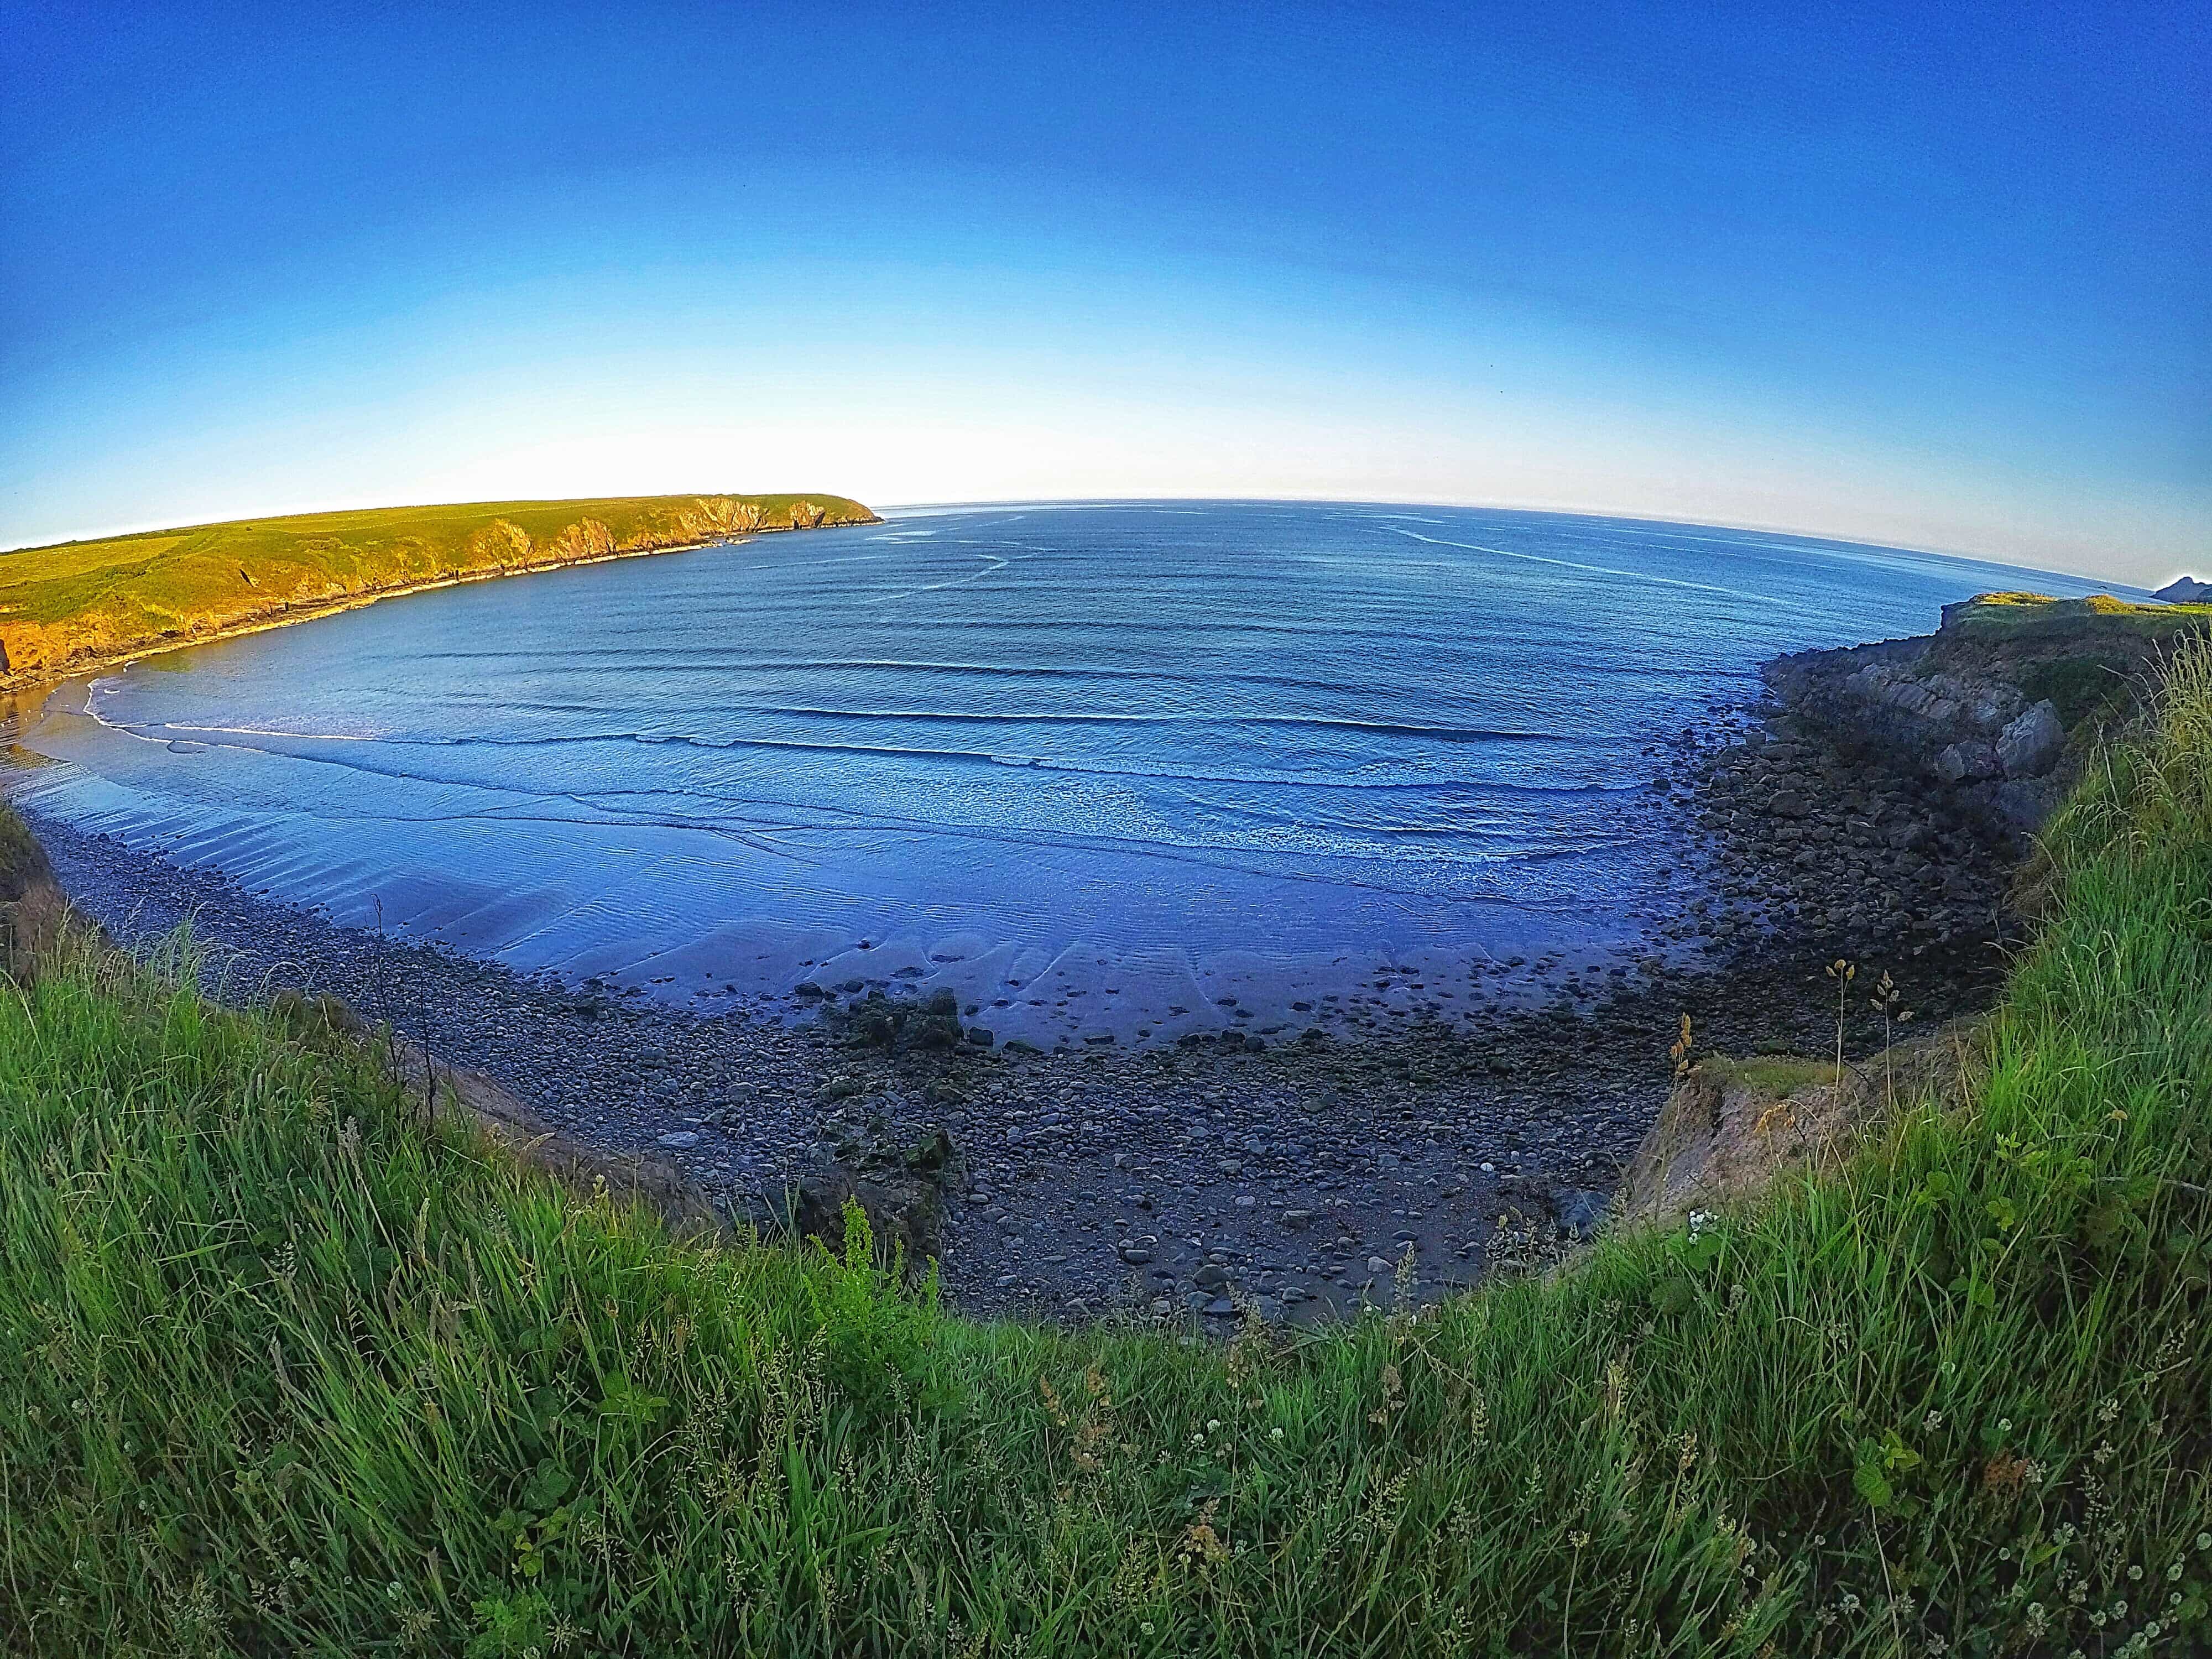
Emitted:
pixel 897 1181
pixel 902 1025
pixel 2030 745
pixel 313 1014
pixel 1969 761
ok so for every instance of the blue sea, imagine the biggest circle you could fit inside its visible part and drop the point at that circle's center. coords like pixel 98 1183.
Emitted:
pixel 1132 768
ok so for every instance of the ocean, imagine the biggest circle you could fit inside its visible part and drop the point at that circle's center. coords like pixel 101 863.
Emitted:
pixel 1122 769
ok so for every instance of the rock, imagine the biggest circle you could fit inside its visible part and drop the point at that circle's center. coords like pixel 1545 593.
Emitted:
pixel 322 1013
pixel 1220 1308
pixel 1135 1254
pixel 1211 1276
pixel 1969 761
pixel 2030 745
pixel 2026 804
pixel 980 1038
pixel 1297 1220
pixel 899 1186
pixel 1376 1264
pixel 1788 803
pixel 809 989
pixel 679 1140
pixel 1578 1210
pixel 1731 1128
pixel 901 1025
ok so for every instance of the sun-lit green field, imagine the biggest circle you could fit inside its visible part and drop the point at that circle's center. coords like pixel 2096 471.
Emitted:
pixel 283 1371
pixel 80 602
pixel 2038 616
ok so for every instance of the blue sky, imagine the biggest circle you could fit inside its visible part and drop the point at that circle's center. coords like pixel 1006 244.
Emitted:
pixel 1935 276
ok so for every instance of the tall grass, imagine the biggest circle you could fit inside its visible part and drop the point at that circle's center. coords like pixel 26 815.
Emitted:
pixel 282 1371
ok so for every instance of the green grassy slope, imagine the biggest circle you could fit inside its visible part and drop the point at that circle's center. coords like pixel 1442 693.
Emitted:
pixel 281 1371
pixel 80 603
pixel 2041 618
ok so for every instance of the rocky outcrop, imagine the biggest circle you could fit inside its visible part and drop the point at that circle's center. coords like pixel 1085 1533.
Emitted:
pixel 1990 705
pixel 32 907
pixel 1733 1127
pixel 2185 590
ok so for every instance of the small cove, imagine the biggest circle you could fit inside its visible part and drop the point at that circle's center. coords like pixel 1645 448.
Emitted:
pixel 1130 769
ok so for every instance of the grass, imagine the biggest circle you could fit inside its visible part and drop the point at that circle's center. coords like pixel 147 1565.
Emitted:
pixel 282 1371
pixel 2037 616
pixel 80 603
pixel 1770 1074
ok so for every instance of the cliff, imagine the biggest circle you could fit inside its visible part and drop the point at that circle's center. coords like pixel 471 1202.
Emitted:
pixel 79 605
pixel 1999 699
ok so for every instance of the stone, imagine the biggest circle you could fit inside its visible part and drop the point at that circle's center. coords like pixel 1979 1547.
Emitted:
pixel 1578 1211
pixel 897 1182
pixel 1220 1308
pixel 679 1140
pixel 1135 1254
pixel 1211 1276
pixel 2030 745
pixel 1297 1220
pixel 1969 761
pixel 1376 1264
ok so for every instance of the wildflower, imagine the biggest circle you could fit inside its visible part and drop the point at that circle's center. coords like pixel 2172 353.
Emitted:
pixel 1932 1422
pixel 1146 1627
pixel 1274 1434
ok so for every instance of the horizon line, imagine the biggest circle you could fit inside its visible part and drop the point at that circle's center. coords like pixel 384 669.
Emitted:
pixel 1500 505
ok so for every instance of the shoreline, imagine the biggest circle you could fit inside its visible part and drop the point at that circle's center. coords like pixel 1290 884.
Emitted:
pixel 1159 1183
pixel 49 677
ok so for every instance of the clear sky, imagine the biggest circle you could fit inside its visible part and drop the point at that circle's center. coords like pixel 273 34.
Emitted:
pixel 1935 275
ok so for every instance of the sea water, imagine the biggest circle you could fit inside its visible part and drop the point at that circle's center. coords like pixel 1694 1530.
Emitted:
pixel 1130 769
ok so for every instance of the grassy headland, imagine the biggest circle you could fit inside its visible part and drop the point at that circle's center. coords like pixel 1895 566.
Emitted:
pixel 283 1370
pixel 79 605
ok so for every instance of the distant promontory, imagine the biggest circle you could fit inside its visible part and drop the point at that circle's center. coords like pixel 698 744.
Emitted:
pixel 81 605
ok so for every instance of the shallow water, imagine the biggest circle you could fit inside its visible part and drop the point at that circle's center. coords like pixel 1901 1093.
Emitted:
pixel 1098 768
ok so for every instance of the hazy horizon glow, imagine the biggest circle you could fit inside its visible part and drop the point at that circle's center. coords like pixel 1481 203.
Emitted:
pixel 1938 281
